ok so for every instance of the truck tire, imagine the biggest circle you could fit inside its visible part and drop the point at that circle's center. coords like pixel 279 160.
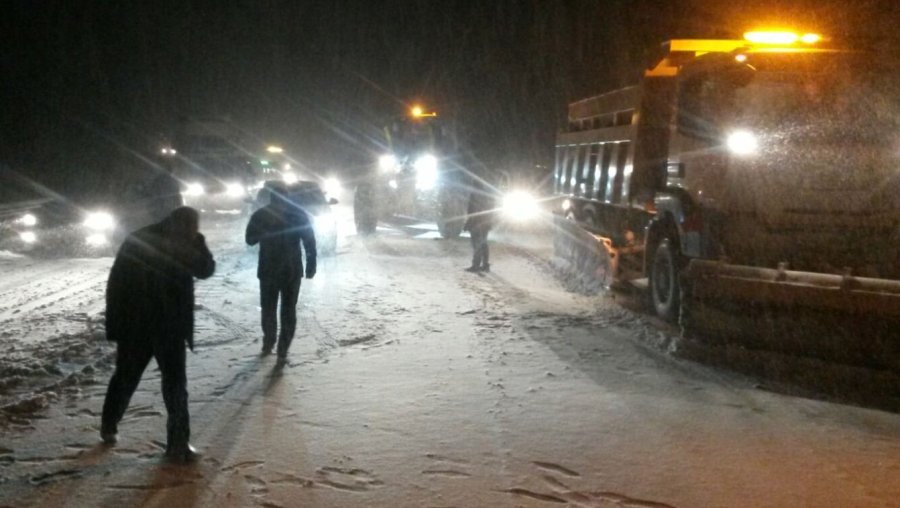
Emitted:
pixel 665 285
pixel 365 215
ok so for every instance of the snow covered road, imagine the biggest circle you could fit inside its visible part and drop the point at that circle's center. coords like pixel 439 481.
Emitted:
pixel 413 383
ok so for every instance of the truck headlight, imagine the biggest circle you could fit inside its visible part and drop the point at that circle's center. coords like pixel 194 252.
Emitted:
pixel 520 206
pixel 387 162
pixel 234 190
pixel 194 189
pixel 426 167
pixel 28 236
pixel 742 142
pixel 99 221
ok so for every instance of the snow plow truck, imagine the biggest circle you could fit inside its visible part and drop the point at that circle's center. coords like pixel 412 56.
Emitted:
pixel 762 171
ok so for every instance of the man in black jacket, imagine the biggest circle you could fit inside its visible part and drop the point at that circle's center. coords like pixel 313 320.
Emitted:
pixel 150 314
pixel 279 228
pixel 479 222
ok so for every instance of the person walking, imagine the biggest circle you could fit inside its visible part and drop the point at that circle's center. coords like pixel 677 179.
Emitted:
pixel 479 222
pixel 279 228
pixel 150 314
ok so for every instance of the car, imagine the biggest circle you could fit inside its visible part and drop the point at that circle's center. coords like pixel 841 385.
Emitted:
pixel 308 196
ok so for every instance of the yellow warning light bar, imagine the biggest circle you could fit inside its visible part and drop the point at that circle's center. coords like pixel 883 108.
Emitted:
pixel 781 38
pixel 418 112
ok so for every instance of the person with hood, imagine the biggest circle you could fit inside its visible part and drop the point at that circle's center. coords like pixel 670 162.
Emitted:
pixel 279 228
pixel 150 314
pixel 479 222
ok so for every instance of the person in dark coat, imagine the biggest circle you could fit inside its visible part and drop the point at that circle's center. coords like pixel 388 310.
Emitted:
pixel 279 228
pixel 150 314
pixel 479 222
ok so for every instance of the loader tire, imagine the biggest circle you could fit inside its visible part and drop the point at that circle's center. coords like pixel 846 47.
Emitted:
pixel 665 285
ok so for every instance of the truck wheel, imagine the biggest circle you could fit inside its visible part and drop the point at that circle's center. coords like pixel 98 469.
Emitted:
pixel 665 286
pixel 364 214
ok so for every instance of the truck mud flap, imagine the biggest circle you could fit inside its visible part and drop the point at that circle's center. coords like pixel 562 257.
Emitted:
pixel 833 318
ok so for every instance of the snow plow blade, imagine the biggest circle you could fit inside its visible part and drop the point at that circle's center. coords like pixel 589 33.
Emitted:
pixel 741 311
pixel 711 280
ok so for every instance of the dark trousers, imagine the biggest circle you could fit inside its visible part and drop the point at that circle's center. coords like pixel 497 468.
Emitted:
pixel 270 291
pixel 131 360
pixel 480 254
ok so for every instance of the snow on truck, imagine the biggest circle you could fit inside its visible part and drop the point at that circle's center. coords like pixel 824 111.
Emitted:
pixel 762 170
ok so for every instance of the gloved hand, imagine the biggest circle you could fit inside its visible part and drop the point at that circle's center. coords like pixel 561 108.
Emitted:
pixel 310 269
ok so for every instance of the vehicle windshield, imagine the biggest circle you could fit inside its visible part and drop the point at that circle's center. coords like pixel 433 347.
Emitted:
pixel 823 96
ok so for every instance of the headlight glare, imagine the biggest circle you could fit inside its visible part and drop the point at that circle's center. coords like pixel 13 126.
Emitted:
pixel 194 189
pixel 387 162
pixel 426 172
pixel 99 221
pixel 234 190
pixel 742 142
pixel 520 206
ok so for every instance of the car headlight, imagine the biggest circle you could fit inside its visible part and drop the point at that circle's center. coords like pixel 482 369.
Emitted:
pixel 194 189
pixel 234 190
pixel 27 220
pixel 426 171
pixel 289 178
pixel 742 142
pixel 387 162
pixel 99 221
pixel 520 206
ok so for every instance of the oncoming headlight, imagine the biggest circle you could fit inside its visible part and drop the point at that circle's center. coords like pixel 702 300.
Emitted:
pixel 194 189
pixel 28 236
pixel 520 206
pixel 99 221
pixel 27 220
pixel 742 142
pixel 426 171
pixel 387 162
pixel 234 190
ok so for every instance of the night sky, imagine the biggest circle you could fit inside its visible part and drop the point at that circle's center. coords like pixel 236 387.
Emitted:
pixel 90 89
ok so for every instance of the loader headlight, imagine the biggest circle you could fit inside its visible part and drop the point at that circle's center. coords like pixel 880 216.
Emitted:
pixel 426 167
pixel 27 220
pixel 194 189
pixel 234 190
pixel 742 142
pixel 28 236
pixel 520 206
pixel 99 221
pixel 387 162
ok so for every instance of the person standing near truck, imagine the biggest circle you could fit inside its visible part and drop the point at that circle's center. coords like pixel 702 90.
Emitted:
pixel 279 228
pixel 479 222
